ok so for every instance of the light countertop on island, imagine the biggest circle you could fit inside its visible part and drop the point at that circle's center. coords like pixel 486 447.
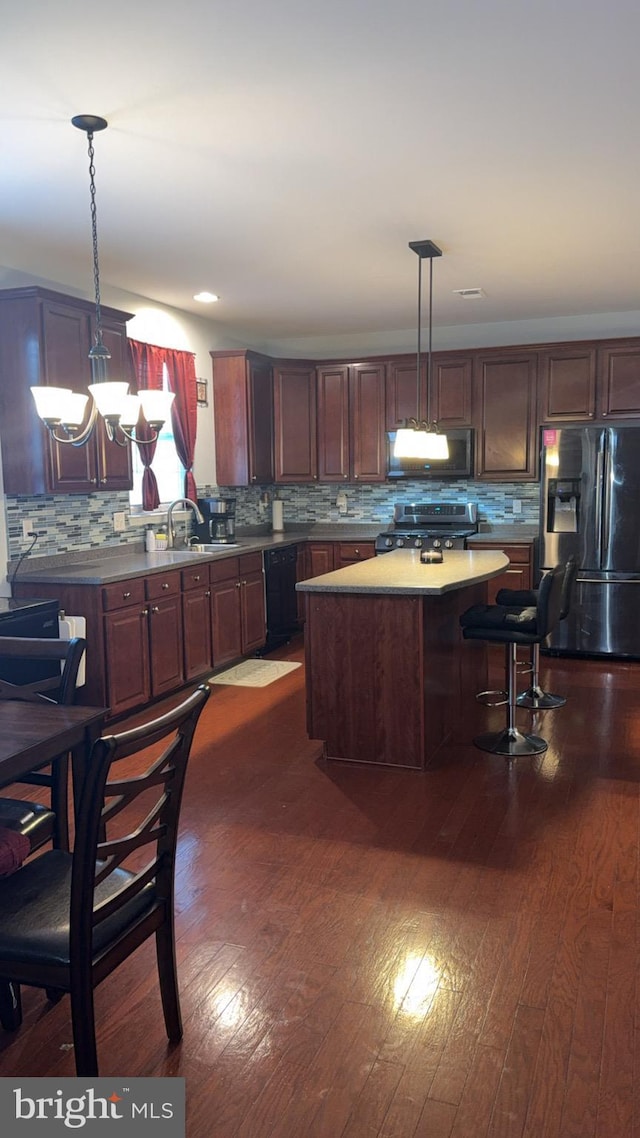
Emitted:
pixel 402 573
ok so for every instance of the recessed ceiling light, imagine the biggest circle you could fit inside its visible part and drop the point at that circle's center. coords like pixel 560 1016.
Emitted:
pixel 470 293
pixel 206 297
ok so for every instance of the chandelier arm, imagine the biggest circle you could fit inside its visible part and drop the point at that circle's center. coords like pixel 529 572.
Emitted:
pixel 80 439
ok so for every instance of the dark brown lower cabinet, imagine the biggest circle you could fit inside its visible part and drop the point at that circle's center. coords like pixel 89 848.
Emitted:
pixel 143 640
pixel 196 621
pixel 238 611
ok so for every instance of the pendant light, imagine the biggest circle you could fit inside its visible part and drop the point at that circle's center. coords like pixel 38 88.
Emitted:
pixel 421 438
pixel 62 409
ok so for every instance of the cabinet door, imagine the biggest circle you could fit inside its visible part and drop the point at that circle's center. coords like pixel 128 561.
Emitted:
pixel 505 398
pixel 402 395
pixel 253 613
pixel 196 623
pixel 567 383
pixel 226 625
pixel 295 443
pixel 320 558
pixel 166 643
pixel 619 380
pixel 67 342
pixel 127 658
pixel 367 413
pixel 333 423
pixel 260 392
pixel 451 381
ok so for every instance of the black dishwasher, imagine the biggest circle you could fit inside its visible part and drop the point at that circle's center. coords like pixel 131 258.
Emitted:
pixel 27 618
pixel 280 589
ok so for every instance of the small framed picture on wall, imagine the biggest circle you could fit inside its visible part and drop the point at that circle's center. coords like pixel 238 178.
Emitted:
pixel 201 392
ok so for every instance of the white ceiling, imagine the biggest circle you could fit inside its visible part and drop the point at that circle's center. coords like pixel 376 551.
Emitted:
pixel 284 152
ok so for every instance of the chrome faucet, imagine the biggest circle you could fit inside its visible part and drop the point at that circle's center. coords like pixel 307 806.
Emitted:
pixel 171 530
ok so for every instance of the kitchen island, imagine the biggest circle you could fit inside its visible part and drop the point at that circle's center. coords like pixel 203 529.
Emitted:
pixel 388 674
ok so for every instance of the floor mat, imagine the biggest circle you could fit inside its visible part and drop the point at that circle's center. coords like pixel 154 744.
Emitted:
pixel 254 673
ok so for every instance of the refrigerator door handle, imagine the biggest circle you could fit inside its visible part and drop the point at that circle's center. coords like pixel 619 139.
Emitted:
pixel 600 463
pixel 601 581
pixel 606 503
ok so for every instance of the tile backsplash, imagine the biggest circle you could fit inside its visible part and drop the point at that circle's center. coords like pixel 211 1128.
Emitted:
pixel 70 522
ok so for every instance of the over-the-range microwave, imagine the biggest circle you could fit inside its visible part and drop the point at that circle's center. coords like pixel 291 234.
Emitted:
pixel 459 464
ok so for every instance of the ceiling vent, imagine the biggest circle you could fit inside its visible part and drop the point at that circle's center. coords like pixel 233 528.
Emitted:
pixel 470 293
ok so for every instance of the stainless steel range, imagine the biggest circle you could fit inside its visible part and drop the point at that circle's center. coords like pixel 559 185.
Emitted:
pixel 429 525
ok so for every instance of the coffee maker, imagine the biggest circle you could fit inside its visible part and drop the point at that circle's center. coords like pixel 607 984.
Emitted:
pixel 219 520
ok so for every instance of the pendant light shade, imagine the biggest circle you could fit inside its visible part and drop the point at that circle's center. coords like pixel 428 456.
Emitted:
pixel 62 409
pixel 421 438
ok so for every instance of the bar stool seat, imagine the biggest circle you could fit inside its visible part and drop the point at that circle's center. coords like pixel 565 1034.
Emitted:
pixel 502 624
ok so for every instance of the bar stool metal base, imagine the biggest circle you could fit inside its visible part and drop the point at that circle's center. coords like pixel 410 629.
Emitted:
pixel 511 743
pixel 539 700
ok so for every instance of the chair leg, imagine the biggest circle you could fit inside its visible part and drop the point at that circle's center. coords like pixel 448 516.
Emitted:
pixel 168 977
pixel 10 1005
pixel 511 742
pixel 83 1023
pixel 534 697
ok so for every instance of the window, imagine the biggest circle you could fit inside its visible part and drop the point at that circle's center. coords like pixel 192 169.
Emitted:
pixel 166 465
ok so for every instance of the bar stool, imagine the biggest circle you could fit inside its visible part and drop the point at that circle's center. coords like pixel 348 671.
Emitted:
pixel 500 624
pixel 535 697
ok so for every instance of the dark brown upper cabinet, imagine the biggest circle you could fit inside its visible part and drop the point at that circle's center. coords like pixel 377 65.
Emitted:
pixel 295 433
pixel 506 420
pixel 45 338
pixel 567 383
pixel 351 422
pixel 619 379
pixel 243 418
pixel 451 386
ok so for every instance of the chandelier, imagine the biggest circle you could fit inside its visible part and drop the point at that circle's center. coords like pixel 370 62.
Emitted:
pixel 62 410
pixel 421 438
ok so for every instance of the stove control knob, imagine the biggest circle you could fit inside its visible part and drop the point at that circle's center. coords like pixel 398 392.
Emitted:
pixel 418 543
pixel 436 543
pixel 399 541
pixel 388 541
pixel 448 544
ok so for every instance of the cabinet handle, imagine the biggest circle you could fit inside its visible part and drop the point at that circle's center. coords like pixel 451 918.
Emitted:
pixel 196 576
pixel 238 584
pixel 208 593
pixel 356 476
pixel 357 552
pixel 165 585
pixel 154 608
pixel 144 612
pixel 125 596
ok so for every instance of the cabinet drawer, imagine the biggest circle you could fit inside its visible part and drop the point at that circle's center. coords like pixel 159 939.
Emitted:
pixel 356 550
pixel 194 578
pixel 517 554
pixel 162 585
pixel 226 570
pixel 250 563
pixel 123 593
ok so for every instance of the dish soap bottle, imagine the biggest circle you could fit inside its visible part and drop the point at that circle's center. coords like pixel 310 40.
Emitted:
pixel 150 540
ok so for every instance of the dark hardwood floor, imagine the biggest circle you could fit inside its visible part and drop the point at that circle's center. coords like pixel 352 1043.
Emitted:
pixel 390 954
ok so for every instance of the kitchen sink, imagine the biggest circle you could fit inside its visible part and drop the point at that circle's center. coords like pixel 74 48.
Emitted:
pixel 211 547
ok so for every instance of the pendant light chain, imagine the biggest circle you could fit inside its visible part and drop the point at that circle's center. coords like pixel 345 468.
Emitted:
pixel 418 360
pixel 94 235
pixel 429 424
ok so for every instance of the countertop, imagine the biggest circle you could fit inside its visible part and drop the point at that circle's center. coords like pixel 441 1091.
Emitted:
pixel 402 573
pixel 119 563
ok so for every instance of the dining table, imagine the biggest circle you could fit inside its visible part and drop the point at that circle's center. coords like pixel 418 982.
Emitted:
pixel 32 734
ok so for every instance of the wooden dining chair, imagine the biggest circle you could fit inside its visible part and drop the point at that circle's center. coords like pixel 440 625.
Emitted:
pixel 67 920
pixel 57 675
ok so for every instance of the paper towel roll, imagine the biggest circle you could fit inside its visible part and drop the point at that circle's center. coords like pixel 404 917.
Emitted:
pixel 277 517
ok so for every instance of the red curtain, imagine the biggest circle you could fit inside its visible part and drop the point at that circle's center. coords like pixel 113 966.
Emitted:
pixel 147 366
pixel 181 369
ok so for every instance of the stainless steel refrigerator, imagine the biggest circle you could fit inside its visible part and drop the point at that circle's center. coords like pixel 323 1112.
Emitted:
pixel 590 507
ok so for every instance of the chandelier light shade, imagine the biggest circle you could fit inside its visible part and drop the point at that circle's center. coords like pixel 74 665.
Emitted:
pixel 64 410
pixel 421 438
